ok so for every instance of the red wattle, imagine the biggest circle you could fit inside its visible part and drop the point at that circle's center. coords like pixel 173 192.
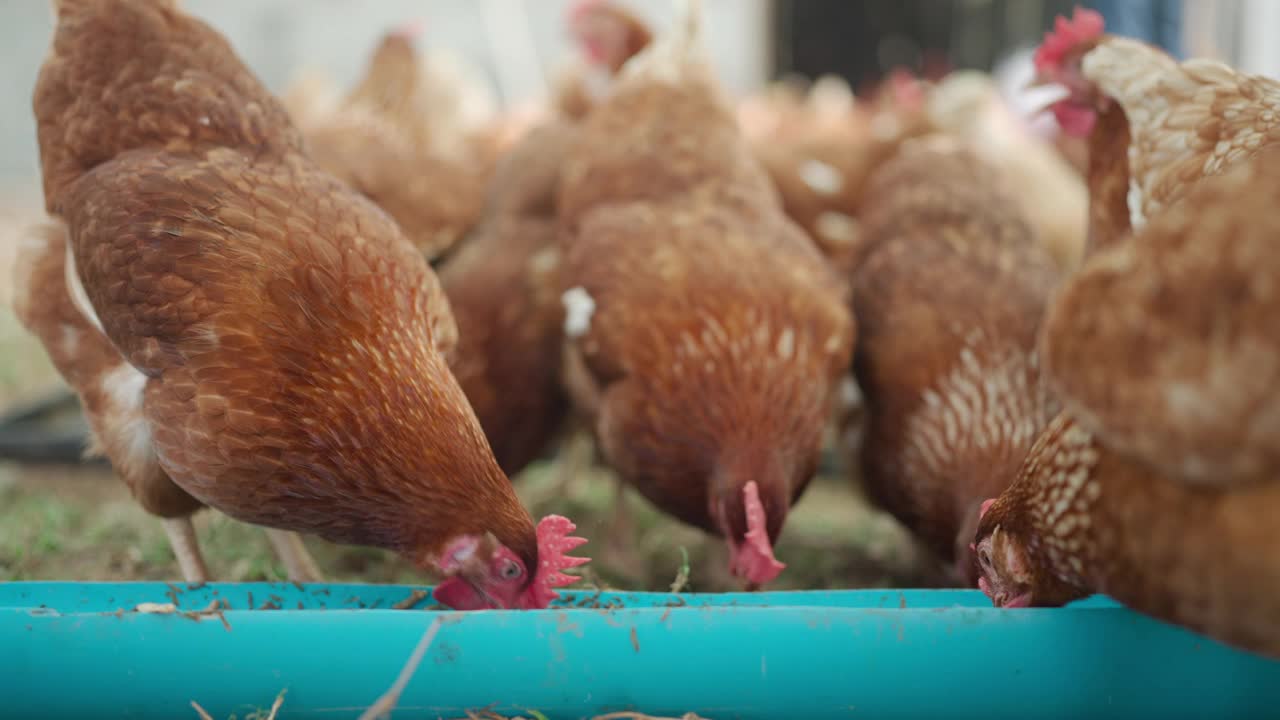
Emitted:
pixel 459 595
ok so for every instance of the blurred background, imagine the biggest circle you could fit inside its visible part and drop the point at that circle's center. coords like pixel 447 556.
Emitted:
pixel 60 518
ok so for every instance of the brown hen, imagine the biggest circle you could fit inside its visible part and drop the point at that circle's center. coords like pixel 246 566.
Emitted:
pixel 280 343
pixel 707 333
pixel 1169 505
pixel 948 300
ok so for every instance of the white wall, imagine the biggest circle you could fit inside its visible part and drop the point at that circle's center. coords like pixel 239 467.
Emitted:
pixel 275 37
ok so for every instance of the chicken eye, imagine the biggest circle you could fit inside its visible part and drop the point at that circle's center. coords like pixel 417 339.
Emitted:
pixel 510 570
pixel 984 557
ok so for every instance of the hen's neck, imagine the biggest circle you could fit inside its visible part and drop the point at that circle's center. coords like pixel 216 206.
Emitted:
pixel 1057 491
pixel 976 424
pixel 1109 180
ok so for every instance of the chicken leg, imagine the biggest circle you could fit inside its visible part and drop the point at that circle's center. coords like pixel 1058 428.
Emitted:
pixel 186 548
pixel 298 563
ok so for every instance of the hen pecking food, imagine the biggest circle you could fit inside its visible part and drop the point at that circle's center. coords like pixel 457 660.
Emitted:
pixel 1155 126
pixel 1153 508
pixel 279 345
pixel 706 333
pixel 948 301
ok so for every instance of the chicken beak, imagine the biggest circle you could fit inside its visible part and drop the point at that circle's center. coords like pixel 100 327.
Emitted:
pixel 1045 94
pixel 1040 80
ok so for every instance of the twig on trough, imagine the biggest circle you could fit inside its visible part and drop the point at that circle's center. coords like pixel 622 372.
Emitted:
pixel 214 609
pixel 385 704
pixel 275 706
pixel 415 597
pixel 200 711
pixel 682 575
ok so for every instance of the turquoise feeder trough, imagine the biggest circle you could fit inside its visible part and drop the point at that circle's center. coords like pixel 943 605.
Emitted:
pixel 83 650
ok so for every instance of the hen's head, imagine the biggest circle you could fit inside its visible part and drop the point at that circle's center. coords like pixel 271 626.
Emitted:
pixel 485 574
pixel 606 35
pixel 1058 61
pixel 1004 566
pixel 1008 571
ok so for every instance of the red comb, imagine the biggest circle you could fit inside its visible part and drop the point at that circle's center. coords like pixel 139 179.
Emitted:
pixel 906 89
pixel 554 541
pixel 1084 25
pixel 986 505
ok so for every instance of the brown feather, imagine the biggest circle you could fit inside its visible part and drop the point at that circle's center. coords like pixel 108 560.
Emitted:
pixel 1166 346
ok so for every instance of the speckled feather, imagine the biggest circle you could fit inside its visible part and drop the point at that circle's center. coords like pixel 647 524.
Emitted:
pixel 1166 346
pixel 719 334
pixel 122 75
pixel 1096 521
pixel 948 301
pixel 1186 121
pixel 293 341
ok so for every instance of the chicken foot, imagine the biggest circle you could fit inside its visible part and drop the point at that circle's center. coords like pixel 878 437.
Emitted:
pixel 186 548
pixel 298 563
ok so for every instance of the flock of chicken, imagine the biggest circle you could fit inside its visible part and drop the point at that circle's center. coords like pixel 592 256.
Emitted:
pixel 1067 381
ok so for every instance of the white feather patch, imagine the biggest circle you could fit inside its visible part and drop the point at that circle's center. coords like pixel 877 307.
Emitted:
pixel 79 297
pixel 837 227
pixel 850 393
pixel 579 306
pixel 124 386
pixel 1136 217
pixel 821 177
